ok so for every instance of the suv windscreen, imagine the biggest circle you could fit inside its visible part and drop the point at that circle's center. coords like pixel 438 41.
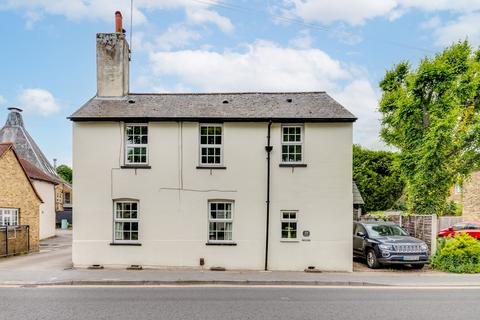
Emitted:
pixel 376 231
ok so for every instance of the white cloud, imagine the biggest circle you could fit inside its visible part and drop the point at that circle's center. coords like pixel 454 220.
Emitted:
pixel 202 15
pixel 362 100
pixel 38 101
pixel 465 27
pixel 357 12
pixel 176 36
pixel 354 12
pixel 2 100
pixel 266 66
pixel 303 40
pixel 76 10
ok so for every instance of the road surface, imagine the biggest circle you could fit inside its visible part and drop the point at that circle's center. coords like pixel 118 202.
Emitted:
pixel 224 303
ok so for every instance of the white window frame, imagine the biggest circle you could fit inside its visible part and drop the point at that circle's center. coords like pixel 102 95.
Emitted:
pixel 10 215
pixel 223 220
pixel 202 146
pixel 124 220
pixel 134 145
pixel 289 220
pixel 293 143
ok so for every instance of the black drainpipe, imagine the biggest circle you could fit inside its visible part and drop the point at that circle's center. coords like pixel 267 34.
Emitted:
pixel 268 148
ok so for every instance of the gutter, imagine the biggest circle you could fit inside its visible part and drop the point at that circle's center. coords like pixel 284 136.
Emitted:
pixel 268 149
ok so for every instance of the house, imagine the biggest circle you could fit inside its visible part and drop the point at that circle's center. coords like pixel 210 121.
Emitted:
pixel 468 196
pixel 63 202
pixel 235 180
pixel 14 131
pixel 19 205
pixel 45 186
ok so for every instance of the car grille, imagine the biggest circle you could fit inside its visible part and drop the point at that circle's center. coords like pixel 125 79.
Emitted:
pixel 407 248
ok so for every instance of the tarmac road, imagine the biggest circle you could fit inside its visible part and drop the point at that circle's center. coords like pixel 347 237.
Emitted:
pixel 224 303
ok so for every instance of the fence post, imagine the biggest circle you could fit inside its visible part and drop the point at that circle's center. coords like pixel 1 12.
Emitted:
pixel 6 240
pixel 434 231
pixel 28 238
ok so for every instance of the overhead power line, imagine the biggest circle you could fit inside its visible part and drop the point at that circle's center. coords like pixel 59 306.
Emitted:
pixel 297 21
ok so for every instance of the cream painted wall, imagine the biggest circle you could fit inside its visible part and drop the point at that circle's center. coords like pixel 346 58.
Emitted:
pixel 173 197
pixel 47 208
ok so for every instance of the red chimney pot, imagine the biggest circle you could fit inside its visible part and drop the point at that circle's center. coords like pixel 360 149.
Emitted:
pixel 118 22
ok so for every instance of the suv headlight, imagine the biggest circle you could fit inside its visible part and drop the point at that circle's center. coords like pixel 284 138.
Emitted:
pixel 385 247
pixel 424 247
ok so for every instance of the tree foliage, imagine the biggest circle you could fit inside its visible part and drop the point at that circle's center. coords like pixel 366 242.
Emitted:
pixel 377 178
pixel 65 172
pixel 430 114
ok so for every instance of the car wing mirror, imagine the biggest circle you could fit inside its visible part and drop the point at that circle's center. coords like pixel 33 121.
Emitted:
pixel 361 234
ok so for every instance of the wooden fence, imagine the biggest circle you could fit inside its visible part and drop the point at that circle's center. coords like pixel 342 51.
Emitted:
pixel 14 240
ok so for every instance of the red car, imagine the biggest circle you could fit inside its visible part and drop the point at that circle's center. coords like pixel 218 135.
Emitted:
pixel 471 228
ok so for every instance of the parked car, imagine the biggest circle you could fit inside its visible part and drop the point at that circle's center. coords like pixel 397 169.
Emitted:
pixel 471 228
pixel 382 243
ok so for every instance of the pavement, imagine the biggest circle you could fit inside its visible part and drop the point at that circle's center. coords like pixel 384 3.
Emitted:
pixel 241 302
pixel 52 266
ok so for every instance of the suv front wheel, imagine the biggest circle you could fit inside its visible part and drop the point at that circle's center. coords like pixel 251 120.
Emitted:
pixel 372 261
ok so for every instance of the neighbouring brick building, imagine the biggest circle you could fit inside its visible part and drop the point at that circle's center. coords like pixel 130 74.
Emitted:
pixel 471 197
pixel 19 203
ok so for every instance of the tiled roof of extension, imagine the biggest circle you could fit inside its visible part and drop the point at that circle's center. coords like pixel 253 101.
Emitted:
pixel 4 147
pixel 255 106
pixel 357 196
pixel 36 174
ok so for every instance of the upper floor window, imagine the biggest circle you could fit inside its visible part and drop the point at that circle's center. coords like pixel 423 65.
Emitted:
pixel 136 143
pixel 211 144
pixel 220 218
pixel 126 221
pixel 292 143
pixel 67 199
pixel 8 217
pixel 289 225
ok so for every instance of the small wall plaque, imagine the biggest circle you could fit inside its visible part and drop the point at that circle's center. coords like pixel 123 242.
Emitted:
pixel 306 233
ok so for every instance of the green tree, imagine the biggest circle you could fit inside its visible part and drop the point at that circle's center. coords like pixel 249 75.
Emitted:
pixel 65 172
pixel 430 114
pixel 377 178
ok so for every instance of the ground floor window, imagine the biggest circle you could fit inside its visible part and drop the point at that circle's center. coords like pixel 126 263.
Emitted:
pixel 220 218
pixel 289 225
pixel 8 217
pixel 126 221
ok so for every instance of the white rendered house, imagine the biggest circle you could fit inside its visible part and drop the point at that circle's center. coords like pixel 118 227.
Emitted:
pixel 235 180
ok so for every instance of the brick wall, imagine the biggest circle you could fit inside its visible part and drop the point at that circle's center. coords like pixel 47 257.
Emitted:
pixel 16 192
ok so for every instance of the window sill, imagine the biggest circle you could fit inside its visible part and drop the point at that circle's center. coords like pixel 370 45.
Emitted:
pixel 134 244
pixel 136 166
pixel 289 240
pixel 293 165
pixel 220 244
pixel 211 167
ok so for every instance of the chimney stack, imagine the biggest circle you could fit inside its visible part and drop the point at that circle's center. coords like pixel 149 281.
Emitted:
pixel 113 59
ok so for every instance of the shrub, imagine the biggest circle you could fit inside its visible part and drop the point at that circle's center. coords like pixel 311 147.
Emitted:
pixel 459 254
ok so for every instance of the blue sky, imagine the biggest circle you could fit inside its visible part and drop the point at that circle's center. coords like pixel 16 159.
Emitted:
pixel 47 63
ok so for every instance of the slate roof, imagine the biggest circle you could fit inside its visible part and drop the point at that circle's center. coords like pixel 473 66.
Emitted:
pixel 4 147
pixel 14 131
pixel 357 196
pixel 255 106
